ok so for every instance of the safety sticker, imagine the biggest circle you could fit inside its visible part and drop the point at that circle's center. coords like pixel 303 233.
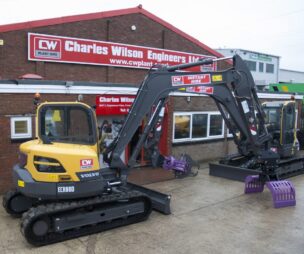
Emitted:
pixel 185 80
pixel 245 106
pixel 21 183
pixel 200 89
pixel 217 78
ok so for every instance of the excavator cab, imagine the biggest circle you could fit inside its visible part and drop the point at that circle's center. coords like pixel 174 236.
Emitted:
pixel 281 124
pixel 66 147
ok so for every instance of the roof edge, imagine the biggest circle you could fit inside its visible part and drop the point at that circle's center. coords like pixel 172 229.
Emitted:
pixel 67 19
pixel 106 14
pixel 283 69
pixel 250 51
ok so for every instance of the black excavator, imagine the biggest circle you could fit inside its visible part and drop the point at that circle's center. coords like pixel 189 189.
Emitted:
pixel 60 189
pixel 280 121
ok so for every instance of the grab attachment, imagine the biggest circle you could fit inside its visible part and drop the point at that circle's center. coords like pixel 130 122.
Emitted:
pixel 182 167
pixel 253 184
pixel 283 192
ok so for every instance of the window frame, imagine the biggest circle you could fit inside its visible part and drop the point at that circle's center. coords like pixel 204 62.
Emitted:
pixel 215 136
pixel 25 135
pixel 270 72
pixel 190 129
pixel 251 62
pixel 191 125
pixel 261 69
pixel 66 108
pixel 190 139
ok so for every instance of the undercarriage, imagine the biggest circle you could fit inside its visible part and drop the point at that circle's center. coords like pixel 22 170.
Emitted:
pixel 69 210
pixel 59 221
pixel 45 222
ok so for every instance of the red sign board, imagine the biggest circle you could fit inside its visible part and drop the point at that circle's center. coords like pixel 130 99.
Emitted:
pixel 50 48
pixel 183 80
pixel 113 104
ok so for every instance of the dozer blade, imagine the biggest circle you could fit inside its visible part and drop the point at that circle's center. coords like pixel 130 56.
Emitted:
pixel 253 184
pixel 230 172
pixel 283 193
pixel 160 201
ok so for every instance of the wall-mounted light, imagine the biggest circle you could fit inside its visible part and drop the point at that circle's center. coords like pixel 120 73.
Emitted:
pixel 133 27
pixel 80 97
pixel 37 98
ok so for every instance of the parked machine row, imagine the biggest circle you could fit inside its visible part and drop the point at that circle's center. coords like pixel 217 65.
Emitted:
pixel 61 191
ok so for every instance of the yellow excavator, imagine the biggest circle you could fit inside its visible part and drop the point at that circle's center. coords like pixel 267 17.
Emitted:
pixel 62 192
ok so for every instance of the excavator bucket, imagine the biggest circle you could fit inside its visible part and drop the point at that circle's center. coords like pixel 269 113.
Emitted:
pixel 253 184
pixel 283 193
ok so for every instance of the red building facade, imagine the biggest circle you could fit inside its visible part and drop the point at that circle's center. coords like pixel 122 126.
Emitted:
pixel 73 55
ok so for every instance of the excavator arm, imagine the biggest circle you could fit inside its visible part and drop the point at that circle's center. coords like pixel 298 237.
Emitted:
pixel 233 91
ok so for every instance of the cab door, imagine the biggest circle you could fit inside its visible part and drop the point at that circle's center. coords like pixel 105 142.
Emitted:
pixel 288 129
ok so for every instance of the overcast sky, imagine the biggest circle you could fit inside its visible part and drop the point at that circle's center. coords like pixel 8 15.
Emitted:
pixel 270 26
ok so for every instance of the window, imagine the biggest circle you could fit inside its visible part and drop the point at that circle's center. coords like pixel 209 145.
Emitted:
pixel 70 124
pixel 269 68
pixel 251 65
pixel 272 119
pixel 21 127
pixel 193 126
pixel 182 126
pixel 199 125
pixel 261 67
pixel 216 125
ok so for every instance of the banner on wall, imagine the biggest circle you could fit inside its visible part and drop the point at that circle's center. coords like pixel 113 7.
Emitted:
pixel 51 48
pixel 113 104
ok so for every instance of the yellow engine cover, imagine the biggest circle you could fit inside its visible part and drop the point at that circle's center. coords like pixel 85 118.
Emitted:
pixel 74 158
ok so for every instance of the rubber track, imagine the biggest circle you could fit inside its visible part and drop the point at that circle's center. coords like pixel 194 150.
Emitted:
pixel 6 197
pixel 50 210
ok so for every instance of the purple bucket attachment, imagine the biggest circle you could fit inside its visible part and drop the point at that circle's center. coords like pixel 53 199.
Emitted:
pixel 181 167
pixel 253 184
pixel 283 193
pixel 171 163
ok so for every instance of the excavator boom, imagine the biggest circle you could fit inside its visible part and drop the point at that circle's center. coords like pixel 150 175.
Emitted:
pixel 233 91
